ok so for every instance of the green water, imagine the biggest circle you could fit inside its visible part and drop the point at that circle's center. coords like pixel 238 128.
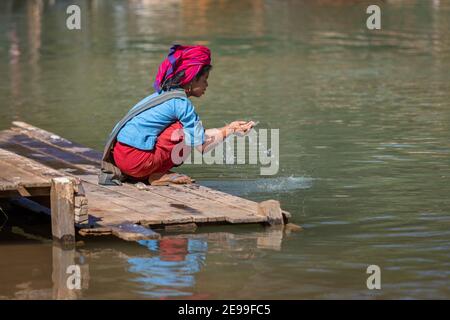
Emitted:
pixel 364 123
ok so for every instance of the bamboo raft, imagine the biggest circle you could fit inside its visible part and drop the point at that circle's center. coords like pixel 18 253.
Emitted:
pixel 35 162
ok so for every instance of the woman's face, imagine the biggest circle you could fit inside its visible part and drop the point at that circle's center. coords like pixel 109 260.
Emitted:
pixel 198 86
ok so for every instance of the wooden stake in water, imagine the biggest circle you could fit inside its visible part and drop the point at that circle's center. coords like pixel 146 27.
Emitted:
pixel 62 197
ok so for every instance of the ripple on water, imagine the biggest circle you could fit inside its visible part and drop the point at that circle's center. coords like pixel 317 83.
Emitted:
pixel 265 185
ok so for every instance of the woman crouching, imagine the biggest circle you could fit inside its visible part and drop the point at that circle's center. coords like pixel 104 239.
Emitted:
pixel 145 143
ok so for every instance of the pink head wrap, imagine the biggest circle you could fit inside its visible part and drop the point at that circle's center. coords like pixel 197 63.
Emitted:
pixel 189 59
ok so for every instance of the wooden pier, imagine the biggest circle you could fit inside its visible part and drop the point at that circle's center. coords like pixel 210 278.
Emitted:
pixel 35 162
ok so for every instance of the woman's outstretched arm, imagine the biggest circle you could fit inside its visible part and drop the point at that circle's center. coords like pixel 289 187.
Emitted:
pixel 215 136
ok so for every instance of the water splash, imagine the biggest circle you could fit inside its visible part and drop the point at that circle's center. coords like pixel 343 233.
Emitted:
pixel 262 185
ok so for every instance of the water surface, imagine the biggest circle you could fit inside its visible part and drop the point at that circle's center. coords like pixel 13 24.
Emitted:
pixel 364 125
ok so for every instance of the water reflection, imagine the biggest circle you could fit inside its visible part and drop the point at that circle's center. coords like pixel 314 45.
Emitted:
pixel 40 270
pixel 173 269
pixel 70 273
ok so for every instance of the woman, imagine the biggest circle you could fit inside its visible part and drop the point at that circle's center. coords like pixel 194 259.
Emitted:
pixel 145 144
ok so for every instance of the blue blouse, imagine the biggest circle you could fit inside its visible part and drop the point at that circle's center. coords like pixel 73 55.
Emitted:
pixel 142 131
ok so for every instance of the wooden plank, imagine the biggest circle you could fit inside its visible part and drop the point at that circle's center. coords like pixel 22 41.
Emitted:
pixel 133 232
pixel 223 197
pixel 41 170
pixel 176 211
pixel 186 227
pixel 6 184
pixel 46 153
pixel 113 216
pixel 99 231
pixel 219 196
pixel 80 201
pixel 168 216
pixel 23 191
pixel 22 139
pixel 193 206
pixel 215 211
pixel 34 192
pixel 232 214
pixel 27 165
pixel 9 184
pixel 19 172
pixel 113 208
pixel 62 210
pixel 81 210
pixel 157 208
pixel 39 157
pixel 272 210
pixel 54 139
pixel 13 177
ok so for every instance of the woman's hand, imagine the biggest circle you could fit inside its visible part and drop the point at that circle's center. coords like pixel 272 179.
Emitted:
pixel 215 136
pixel 241 127
pixel 235 126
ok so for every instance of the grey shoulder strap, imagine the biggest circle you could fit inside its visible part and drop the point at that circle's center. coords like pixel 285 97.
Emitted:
pixel 110 174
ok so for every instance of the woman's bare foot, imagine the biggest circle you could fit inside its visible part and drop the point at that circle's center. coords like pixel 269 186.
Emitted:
pixel 164 179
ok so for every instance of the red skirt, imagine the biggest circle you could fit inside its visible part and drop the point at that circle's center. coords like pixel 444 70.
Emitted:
pixel 140 164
